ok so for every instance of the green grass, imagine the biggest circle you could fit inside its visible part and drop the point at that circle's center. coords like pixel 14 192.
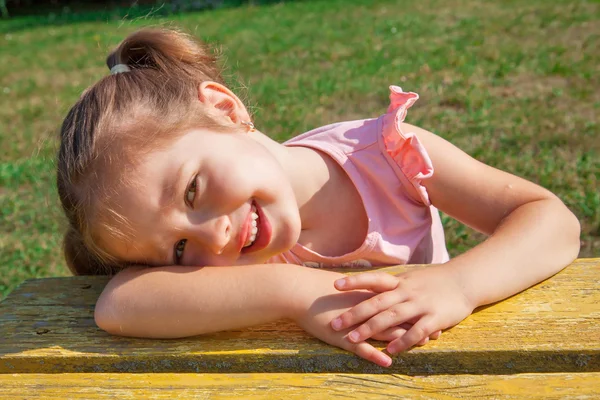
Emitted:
pixel 513 83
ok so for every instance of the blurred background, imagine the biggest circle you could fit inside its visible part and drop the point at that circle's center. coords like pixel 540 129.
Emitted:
pixel 514 83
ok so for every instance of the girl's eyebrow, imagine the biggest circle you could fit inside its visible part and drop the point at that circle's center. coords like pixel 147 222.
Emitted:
pixel 171 188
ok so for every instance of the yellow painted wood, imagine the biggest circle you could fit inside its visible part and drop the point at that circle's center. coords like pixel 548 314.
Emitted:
pixel 46 326
pixel 298 386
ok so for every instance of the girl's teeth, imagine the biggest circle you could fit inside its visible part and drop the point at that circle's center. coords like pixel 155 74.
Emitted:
pixel 251 240
pixel 254 230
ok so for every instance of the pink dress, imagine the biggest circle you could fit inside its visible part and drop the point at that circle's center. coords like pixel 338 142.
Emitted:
pixel 387 166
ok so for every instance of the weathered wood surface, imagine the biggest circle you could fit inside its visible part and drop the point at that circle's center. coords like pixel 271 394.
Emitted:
pixel 297 386
pixel 46 326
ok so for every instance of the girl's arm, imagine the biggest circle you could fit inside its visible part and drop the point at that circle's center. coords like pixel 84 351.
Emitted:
pixel 173 302
pixel 176 301
pixel 533 235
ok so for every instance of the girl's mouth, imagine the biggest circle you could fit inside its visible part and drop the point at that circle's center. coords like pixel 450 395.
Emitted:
pixel 259 233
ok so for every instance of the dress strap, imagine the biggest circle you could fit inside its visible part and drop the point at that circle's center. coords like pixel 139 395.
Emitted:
pixel 405 148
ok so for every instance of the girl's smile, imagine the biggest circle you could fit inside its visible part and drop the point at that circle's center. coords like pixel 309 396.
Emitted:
pixel 257 231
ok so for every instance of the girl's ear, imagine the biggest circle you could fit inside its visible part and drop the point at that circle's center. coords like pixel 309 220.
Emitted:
pixel 213 94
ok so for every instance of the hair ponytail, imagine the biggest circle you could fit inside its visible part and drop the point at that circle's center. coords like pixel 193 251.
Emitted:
pixel 168 51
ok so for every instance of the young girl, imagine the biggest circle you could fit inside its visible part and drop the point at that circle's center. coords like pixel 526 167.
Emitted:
pixel 160 166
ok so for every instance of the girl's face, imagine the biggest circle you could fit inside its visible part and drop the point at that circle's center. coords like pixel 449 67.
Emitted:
pixel 195 202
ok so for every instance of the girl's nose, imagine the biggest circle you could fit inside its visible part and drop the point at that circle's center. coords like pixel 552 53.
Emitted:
pixel 213 235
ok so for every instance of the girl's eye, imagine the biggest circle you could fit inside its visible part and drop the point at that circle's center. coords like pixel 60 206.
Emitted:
pixel 191 192
pixel 179 247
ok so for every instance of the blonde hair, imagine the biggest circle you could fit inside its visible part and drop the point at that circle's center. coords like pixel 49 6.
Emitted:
pixel 119 118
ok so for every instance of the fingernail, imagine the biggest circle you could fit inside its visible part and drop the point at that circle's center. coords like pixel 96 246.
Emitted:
pixel 353 336
pixel 336 323
pixel 385 360
pixel 340 283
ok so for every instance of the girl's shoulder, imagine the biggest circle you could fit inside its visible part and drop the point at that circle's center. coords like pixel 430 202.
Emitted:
pixel 340 139
pixel 377 141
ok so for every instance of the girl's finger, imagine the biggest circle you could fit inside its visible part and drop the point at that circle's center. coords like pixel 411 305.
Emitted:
pixel 365 310
pixel 395 332
pixel 368 352
pixel 374 281
pixel 421 330
pixel 392 333
pixel 393 316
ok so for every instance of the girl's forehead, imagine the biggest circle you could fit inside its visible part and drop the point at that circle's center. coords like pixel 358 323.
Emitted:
pixel 189 143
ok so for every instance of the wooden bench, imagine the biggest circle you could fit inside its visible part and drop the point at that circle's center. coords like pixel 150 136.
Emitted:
pixel 542 343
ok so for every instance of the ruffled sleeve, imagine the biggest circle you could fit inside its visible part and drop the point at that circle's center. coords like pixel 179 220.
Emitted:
pixel 405 148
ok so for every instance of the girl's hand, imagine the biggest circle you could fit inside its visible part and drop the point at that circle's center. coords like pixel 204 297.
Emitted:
pixel 430 298
pixel 314 302
pixel 317 317
pixel 395 332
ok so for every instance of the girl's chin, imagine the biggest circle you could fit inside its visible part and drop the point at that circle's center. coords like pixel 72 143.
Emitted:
pixel 262 257
pixel 287 239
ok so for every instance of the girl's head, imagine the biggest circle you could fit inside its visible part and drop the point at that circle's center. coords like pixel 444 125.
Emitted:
pixel 158 166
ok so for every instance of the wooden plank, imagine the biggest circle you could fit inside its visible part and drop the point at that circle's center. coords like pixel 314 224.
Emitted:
pixel 47 326
pixel 297 386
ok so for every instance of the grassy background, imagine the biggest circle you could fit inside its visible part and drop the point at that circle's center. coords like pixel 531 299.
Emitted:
pixel 513 83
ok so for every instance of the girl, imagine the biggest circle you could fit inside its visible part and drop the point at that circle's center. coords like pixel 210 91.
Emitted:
pixel 160 166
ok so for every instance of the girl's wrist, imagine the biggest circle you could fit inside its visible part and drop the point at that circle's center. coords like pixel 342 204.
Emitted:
pixel 293 287
pixel 304 286
pixel 460 276
pixel 282 281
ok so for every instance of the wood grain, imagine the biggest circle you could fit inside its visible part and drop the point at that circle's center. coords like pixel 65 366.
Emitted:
pixel 297 386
